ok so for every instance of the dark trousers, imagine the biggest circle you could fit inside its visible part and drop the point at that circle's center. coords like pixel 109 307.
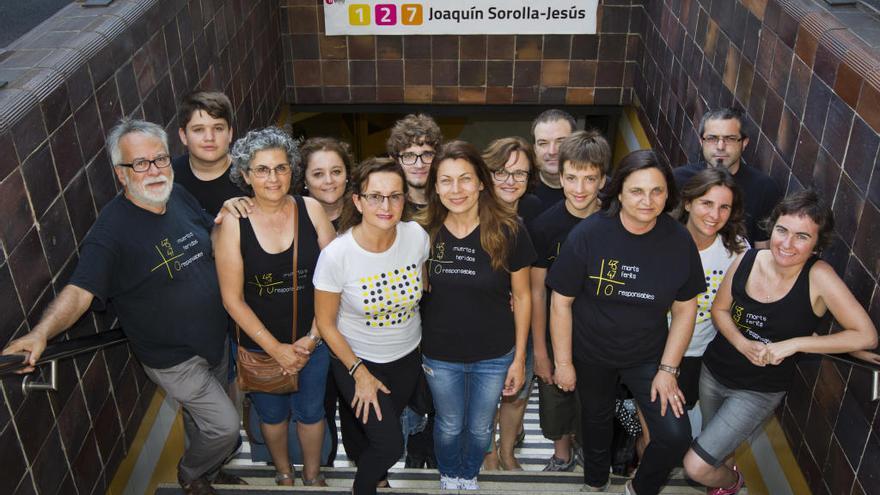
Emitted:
pixel 670 436
pixel 331 397
pixel 376 445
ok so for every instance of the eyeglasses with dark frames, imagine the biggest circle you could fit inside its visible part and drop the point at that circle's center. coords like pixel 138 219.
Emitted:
pixel 409 158
pixel 141 165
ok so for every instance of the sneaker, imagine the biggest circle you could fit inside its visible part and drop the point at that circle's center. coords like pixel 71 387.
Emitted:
pixel 556 464
pixel 732 490
pixel 595 489
pixel 449 483
pixel 470 484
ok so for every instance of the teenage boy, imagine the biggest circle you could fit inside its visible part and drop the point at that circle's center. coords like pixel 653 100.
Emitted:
pixel 723 141
pixel 414 141
pixel 549 129
pixel 205 120
pixel 585 157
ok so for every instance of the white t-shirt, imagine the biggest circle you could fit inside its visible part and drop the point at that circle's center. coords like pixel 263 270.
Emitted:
pixel 716 260
pixel 379 307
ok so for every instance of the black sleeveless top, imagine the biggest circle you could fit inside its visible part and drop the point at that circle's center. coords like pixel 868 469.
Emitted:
pixel 791 316
pixel 268 283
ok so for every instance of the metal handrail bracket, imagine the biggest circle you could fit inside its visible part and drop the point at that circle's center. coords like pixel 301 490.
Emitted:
pixel 29 384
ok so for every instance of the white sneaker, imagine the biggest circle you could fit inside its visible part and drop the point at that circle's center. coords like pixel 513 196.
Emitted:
pixel 449 483
pixel 470 484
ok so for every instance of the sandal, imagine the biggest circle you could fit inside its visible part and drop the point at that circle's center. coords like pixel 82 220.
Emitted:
pixel 316 481
pixel 286 479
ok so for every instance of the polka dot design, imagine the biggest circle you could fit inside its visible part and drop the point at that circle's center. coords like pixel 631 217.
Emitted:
pixel 391 298
pixel 704 300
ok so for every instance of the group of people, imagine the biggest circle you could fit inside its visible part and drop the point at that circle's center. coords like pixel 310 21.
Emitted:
pixel 458 274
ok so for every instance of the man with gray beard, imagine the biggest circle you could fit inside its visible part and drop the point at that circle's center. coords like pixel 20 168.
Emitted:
pixel 149 254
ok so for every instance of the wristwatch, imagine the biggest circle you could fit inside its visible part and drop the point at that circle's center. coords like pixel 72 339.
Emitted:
pixel 669 369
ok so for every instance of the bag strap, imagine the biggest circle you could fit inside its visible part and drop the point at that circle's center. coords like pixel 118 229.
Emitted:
pixel 295 270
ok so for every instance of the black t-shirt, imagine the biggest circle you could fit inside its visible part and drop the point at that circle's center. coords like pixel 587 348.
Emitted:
pixel 529 207
pixel 549 196
pixel 411 209
pixel 623 285
pixel 158 272
pixel 792 316
pixel 268 280
pixel 760 194
pixel 466 317
pixel 549 231
pixel 209 193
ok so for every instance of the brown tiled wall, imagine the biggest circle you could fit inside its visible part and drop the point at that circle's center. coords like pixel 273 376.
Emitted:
pixel 812 93
pixel 70 79
pixel 497 69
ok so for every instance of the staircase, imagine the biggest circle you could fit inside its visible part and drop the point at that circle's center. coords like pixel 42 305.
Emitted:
pixel 533 455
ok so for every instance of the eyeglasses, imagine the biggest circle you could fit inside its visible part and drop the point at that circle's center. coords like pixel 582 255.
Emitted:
pixel 710 139
pixel 409 158
pixel 501 175
pixel 374 199
pixel 141 165
pixel 262 171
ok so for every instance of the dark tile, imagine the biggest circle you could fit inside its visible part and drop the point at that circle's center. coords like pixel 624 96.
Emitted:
pixel 389 72
pixel 417 72
pixel 87 123
pixel 56 107
pixel 333 47
pixel 867 239
pixel 499 73
pixel 758 98
pixel 526 73
pixel 389 47
pixel 782 57
pixel 825 64
pixel 9 307
pixel 445 73
pixel 787 134
pixel 798 87
pixel 614 19
pixel 612 47
pixel 29 269
pixel 14 204
pixel 87 465
pixel 838 473
pixel 389 94
pixel 128 89
pixel 817 436
pixel 79 87
pixel 362 47
pixel 13 461
pixel 861 153
pixel 798 400
pixel 869 101
pixel 305 47
pixel 362 72
pixel 80 206
pixel 472 72
pixel 529 47
pixel 582 73
pixel 8 158
pixel 848 84
pixel 817 106
pixel 499 95
pixel 444 47
pixel 29 132
pixel 66 152
pixel 26 487
pixel 557 46
pixel 607 96
pixel 96 385
pixel 50 466
pixel 416 46
pixel 309 95
pixel 585 47
pixel 39 176
pixel 828 392
pixel 609 74
pixel 525 94
pixel 35 421
pixel 837 128
pixel 473 47
pixel 102 180
pixel 848 204
pixel 868 475
pixel 308 72
pixel 57 236
pixel 552 96
pixel 500 47
pixel 764 60
pixel 303 19
pixel 805 156
pixel 805 46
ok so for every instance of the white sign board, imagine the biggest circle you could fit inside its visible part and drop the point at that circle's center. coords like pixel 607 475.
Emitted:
pixel 397 17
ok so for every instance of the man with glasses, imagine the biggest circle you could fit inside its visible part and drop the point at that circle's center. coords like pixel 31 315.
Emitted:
pixel 413 142
pixel 149 254
pixel 723 141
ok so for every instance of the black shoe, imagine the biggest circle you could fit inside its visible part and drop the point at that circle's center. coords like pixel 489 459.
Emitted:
pixel 414 461
pixel 431 462
pixel 224 478
pixel 199 486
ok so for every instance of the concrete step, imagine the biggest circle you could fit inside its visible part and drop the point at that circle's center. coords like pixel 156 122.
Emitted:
pixel 426 481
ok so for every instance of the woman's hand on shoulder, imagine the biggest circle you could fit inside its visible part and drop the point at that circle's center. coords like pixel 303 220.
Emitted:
pixel 239 207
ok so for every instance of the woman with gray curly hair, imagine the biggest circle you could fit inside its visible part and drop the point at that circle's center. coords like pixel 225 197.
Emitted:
pixel 254 258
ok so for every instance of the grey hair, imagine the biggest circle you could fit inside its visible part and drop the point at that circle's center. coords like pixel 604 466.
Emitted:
pixel 243 151
pixel 723 114
pixel 128 126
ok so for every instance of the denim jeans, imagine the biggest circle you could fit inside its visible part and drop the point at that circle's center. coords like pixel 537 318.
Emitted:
pixel 466 397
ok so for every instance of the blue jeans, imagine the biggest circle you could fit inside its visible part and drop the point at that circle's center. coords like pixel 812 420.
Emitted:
pixel 466 397
pixel 307 403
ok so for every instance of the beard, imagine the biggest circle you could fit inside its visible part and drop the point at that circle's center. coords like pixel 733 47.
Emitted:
pixel 142 194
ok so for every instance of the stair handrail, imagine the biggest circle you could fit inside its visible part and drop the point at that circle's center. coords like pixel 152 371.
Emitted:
pixel 55 352
pixel 872 367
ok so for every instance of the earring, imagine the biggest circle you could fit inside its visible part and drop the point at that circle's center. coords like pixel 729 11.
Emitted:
pixel 306 187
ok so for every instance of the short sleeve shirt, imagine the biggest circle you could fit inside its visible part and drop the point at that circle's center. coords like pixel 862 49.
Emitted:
pixel 209 193
pixel 623 284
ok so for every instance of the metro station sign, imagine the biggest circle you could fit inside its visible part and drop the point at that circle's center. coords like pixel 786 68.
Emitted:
pixel 397 17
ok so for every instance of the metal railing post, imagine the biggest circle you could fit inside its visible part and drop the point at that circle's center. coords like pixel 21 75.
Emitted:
pixel 28 384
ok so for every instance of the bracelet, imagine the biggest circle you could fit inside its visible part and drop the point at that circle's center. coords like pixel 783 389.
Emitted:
pixel 357 364
pixel 315 338
pixel 562 364
pixel 669 369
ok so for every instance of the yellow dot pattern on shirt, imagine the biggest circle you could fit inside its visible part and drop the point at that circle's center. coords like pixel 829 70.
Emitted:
pixel 704 300
pixel 391 298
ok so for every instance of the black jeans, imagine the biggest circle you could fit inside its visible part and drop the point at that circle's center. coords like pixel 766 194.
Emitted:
pixel 670 436
pixel 377 445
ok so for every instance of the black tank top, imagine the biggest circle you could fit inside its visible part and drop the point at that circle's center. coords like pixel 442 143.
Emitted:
pixel 791 316
pixel 268 283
